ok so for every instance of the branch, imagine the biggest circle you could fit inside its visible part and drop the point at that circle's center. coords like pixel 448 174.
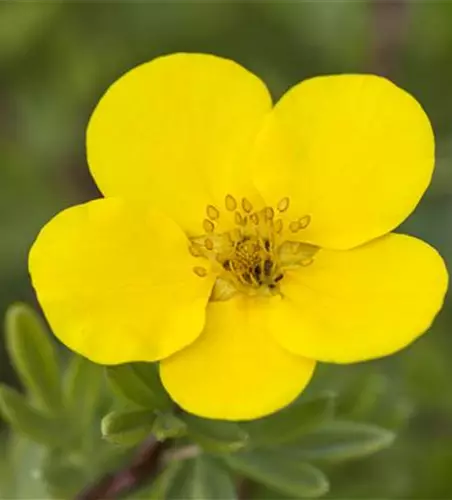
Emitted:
pixel 144 466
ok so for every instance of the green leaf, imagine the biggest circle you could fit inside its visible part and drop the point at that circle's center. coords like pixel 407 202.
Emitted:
pixel 26 457
pixel 292 422
pixel 215 435
pixel 168 426
pixel 82 389
pixel 362 395
pixel 127 427
pixel 280 471
pixel 201 478
pixel 7 472
pixel 33 355
pixel 341 440
pixel 139 383
pixel 62 478
pixel 159 487
pixel 50 431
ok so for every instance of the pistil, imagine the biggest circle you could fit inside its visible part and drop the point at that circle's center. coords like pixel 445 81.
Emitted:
pixel 253 255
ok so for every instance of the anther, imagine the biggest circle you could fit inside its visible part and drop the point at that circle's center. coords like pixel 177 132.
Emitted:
pixel 230 203
pixel 246 205
pixel 208 226
pixel 195 250
pixel 227 265
pixel 200 271
pixel 278 225
pixel 283 205
pixel 294 226
pixel 254 218
pixel 212 212
pixel 268 266
pixel 267 245
pixel 208 243
pixel 269 213
pixel 304 221
pixel 278 278
pixel 238 218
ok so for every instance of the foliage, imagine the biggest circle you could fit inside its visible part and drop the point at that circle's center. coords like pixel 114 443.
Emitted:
pixel 87 428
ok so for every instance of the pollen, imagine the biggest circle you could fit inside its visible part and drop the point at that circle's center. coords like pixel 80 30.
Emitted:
pixel 200 271
pixel 208 226
pixel 283 205
pixel 212 212
pixel 230 203
pixel 249 248
pixel 305 221
pixel 269 213
pixel 254 218
pixel 246 205
pixel 238 219
pixel 278 225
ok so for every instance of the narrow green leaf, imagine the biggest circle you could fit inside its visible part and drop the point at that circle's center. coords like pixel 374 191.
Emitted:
pixel 201 478
pixel 159 487
pixel 26 457
pixel 7 472
pixel 82 389
pixel 62 478
pixel 33 356
pixel 280 471
pixel 215 435
pixel 168 426
pixel 127 428
pixel 292 422
pixel 24 418
pixel 139 383
pixel 341 440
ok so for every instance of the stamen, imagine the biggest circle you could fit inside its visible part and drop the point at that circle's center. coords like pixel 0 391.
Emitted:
pixel 238 218
pixel 254 217
pixel 230 203
pixel 269 213
pixel 246 205
pixel 294 226
pixel 200 271
pixel 208 226
pixel 283 205
pixel 236 234
pixel 278 225
pixel 268 266
pixel 195 250
pixel 212 212
pixel 304 221
pixel 208 243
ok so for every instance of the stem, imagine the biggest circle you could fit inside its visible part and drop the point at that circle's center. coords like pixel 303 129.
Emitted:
pixel 144 466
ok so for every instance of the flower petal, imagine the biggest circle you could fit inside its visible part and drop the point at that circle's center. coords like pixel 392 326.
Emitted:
pixel 178 131
pixel 360 304
pixel 235 370
pixel 354 152
pixel 116 282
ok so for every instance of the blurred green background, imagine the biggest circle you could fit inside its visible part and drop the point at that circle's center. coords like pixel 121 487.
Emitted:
pixel 56 59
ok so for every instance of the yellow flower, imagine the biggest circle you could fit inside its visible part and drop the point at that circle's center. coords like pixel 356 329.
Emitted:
pixel 239 243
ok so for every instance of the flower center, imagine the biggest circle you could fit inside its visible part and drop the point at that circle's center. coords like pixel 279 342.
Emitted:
pixel 250 249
